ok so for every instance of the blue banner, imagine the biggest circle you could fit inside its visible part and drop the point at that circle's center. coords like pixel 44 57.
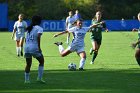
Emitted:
pixel 59 25
pixel 3 15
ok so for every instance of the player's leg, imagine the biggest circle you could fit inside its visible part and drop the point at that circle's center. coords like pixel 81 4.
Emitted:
pixel 68 38
pixel 27 69
pixel 18 47
pixel 96 47
pixel 61 49
pixel 40 68
pixel 21 45
pixel 82 61
pixel 137 56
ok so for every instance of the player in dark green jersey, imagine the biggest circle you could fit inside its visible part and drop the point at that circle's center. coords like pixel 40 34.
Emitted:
pixel 96 35
pixel 137 54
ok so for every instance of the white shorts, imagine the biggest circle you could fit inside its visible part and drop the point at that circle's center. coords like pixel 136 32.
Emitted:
pixel 77 49
pixel 19 37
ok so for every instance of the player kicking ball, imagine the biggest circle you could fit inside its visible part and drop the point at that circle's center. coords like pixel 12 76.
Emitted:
pixel 77 44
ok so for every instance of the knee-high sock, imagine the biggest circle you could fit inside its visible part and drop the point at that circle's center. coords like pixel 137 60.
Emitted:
pixel 27 76
pixel 94 56
pixel 61 49
pixel 40 72
pixel 21 49
pixel 82 63
pixel 18 50
pixel 68 38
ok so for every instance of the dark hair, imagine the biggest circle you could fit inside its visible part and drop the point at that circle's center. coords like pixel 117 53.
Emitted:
pixel 36 20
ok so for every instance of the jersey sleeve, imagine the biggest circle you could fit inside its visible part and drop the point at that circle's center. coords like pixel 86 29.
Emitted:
pixel 40 30
pixel 25 24
pixel 15 25
pixel 71 29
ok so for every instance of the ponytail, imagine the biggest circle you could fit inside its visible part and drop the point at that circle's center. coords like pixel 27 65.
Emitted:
pixel 36 20
pixel 29 28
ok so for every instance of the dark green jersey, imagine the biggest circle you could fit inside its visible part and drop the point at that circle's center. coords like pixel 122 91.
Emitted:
pixel 96 33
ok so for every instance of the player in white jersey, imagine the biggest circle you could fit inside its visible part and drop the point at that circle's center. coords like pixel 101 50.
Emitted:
pixel 69 24
pixel 32 48
pixel 77 44
pixel 19 34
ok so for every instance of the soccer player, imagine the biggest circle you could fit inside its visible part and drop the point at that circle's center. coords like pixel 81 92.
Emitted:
pixel 77 15
pixel 96 35
pixel 137 54
pixel 19 34
pixel 77 44
pixel 32 48
pixel 69 23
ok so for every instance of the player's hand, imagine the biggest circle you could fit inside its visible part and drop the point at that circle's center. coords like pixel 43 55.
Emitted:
pixel 102 22
pixel 134 30
pixel 55 35
pixel 106 30
pixel 133 45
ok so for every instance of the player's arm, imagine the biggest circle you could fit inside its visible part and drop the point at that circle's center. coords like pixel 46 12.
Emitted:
pixel 14 30
pixel 66 22
pixel 135 44
pixel 61 33
pixel 13 34
pixel 38 40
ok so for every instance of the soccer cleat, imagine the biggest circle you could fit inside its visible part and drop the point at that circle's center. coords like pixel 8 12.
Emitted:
pixel 21 53
pixel 18 55
pixel 81 69
pixel 58 43
pixel 27 82
pixel 41 81
pixel 91 51
pixel 91 62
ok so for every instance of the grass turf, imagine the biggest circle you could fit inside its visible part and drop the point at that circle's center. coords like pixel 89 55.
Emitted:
pixel 115 69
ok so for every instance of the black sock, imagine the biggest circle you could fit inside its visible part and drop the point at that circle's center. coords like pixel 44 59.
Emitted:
pixel 94 56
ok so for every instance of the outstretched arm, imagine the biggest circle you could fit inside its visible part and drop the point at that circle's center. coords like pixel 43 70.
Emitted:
pixel 135 44
pixel 61 33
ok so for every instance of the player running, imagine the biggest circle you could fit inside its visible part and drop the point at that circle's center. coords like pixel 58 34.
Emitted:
pixel 96 35
pixel 137 54
pixel 77 44
pixel 69 24
pixel 19 34
pixel 32 48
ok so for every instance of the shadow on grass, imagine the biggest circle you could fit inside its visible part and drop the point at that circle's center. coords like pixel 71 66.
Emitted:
pixel 63 81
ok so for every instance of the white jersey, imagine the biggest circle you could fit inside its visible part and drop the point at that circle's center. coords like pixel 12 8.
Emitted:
pixel 70 21
pixel 20 27
pixel 31 44
pixel 79 35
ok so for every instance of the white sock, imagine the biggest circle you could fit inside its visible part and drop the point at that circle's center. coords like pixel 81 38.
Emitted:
pixel 40 72
pixel 68 38
pixel 61 49
pixel 82 63
pixel 27 76
pixel 18 49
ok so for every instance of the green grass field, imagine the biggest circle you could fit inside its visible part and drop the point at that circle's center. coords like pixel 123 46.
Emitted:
pixel 115 69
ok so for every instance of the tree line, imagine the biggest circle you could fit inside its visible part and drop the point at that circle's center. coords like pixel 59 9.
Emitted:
pixel 58 9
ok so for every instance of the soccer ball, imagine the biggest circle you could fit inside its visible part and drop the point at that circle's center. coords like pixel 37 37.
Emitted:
pixel 72 67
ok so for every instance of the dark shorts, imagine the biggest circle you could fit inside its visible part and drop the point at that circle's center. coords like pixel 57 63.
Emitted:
pixel 99 41
pixel 35 55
